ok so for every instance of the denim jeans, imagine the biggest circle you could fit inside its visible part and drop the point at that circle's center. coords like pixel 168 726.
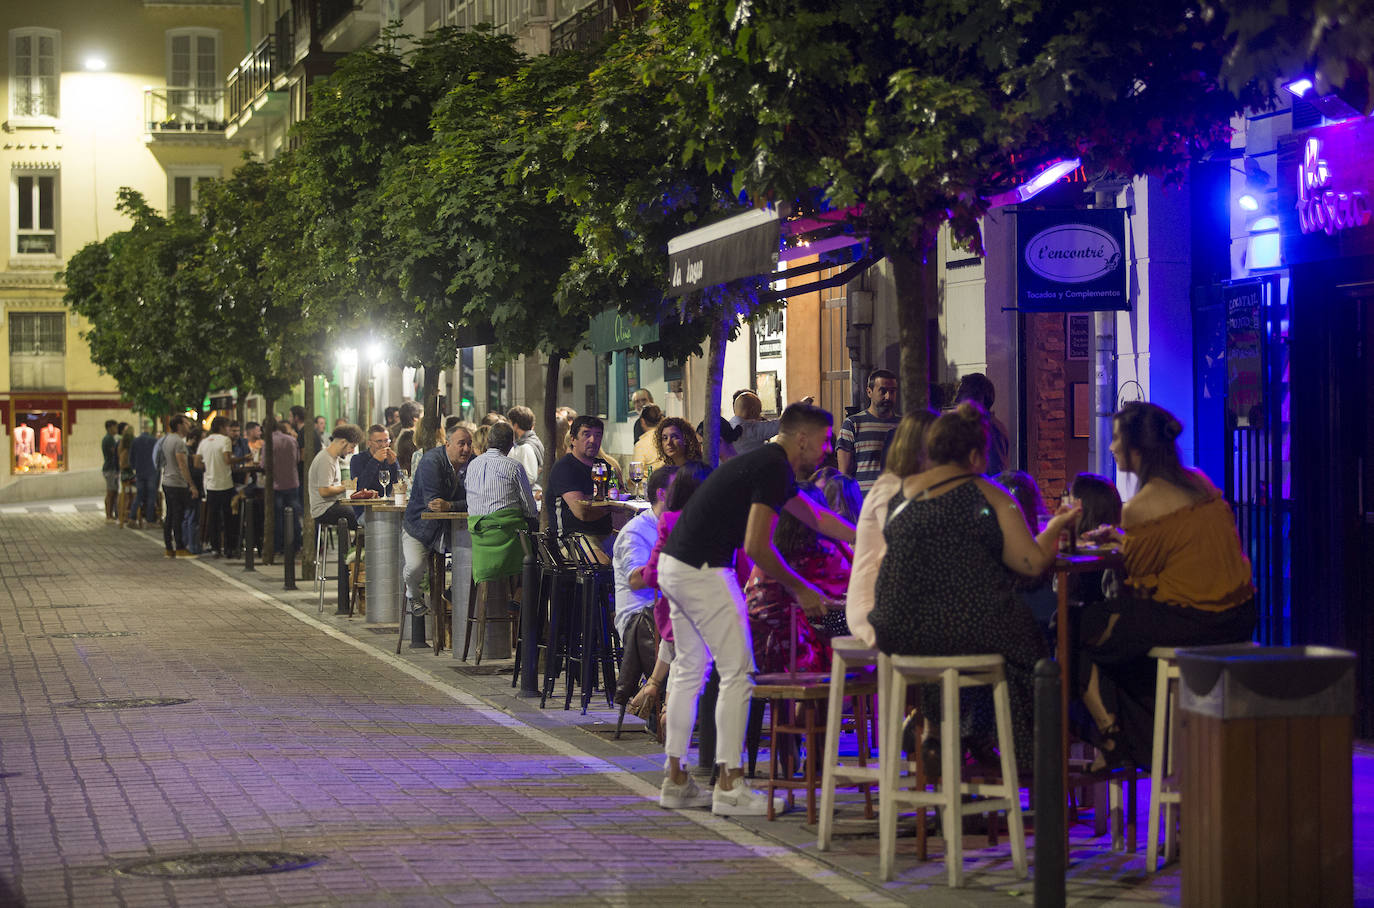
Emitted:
pixel 173 522
pixel 190 525
pixel 145 498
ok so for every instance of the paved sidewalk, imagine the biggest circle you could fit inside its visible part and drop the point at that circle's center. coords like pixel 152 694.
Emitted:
pixel 417 779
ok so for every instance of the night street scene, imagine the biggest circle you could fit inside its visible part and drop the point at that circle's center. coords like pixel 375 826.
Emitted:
pixel 687 452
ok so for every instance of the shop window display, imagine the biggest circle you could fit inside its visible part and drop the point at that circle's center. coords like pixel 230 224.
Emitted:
pixel 40 441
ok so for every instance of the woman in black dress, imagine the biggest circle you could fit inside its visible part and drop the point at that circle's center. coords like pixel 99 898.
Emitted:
pixel 945 588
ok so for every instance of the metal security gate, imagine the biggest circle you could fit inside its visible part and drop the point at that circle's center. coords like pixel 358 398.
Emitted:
pixel 1257 475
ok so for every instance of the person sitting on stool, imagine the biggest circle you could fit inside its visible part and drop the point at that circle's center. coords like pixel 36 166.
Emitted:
pixel 436 486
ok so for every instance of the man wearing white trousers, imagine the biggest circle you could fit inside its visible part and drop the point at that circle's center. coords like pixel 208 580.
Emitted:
pixel 737 506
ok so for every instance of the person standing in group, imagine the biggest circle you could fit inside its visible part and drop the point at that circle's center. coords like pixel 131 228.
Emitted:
pixel 571 484
pixel 144 509
pixel 737 506
pixel 125 453
pixel 639 400
pixel 978 388
pixel 213 455
pixel 437 485
pixel 286 484
pixel 109 451
pixel 528 450
pixel 864 437
pixel 178 488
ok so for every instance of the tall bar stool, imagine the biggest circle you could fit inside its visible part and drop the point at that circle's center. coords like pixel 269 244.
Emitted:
pixel 952 673
pixel 326 538
pixel 847 654
pixel 1165 799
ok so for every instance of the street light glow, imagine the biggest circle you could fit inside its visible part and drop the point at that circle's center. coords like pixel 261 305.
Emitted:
pixel 95 64
pixel 374 352
pixel 1248 202
pixel 1298 87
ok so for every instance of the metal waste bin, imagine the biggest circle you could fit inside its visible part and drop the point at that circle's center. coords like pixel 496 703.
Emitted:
pixel 1264 758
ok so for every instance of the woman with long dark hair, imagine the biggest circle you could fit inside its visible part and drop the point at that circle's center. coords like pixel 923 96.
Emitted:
pixel 1187 581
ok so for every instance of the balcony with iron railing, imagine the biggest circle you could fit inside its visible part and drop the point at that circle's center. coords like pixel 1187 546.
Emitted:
pixel 252 78
pixel 584 27
pixel 178 113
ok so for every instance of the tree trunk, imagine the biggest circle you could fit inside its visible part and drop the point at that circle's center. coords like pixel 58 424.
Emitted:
pixel 916 279
pixel 431 391
pixel 269 493
pixel 715 378
pixel 309 448
pixel 551 452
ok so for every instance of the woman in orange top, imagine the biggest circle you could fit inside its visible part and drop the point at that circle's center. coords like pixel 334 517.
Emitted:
pixel 1187 584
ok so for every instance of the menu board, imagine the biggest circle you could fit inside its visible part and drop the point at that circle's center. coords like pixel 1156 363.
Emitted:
pixel 1244 349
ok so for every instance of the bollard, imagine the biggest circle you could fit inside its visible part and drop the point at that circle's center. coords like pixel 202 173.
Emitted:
pixel 341 608
pixel 246 533
pixel 289 547
pixel 530 613
pixel 1051 858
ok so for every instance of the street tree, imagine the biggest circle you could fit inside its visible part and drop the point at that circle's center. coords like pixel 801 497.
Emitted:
pixel 153 326
pixel 921 114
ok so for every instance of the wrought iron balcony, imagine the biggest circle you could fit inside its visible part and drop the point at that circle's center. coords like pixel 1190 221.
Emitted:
pixel 178 112
pixel 584 28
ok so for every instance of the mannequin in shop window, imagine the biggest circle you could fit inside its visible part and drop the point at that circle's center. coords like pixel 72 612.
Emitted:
pixel 23 443
pixel 50 442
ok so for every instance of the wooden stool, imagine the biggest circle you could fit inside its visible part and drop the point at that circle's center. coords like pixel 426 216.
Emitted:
pixel 477 614
pixel 439 606
pixel 847 653
pixel 795 703
pixel 952 673
pixel 1164 793
pixel 357 580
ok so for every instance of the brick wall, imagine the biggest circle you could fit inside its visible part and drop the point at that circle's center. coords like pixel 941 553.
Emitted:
pixel 1047 404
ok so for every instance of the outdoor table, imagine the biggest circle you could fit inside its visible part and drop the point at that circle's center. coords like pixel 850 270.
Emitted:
pixel 1086 561
pixel 460 573
pixel 382 558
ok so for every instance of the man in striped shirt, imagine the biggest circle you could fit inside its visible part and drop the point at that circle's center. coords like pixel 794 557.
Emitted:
pixel 864 437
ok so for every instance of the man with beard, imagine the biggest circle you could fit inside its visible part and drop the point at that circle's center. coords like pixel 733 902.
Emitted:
pixel 864 437
pixel 737 506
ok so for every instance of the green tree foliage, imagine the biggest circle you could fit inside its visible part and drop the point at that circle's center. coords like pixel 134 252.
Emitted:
pixel 153 324
pixel 922 112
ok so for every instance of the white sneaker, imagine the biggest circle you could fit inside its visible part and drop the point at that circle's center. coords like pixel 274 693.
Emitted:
pixel 743 801
pixel 677 797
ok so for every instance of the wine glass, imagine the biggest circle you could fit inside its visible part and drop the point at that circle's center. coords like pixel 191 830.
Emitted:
pixel 384 477
pixel 637 476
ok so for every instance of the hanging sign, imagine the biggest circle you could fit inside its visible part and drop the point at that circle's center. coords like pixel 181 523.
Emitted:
pixel 1244 356
pixel 1326 192
pixel 1071 261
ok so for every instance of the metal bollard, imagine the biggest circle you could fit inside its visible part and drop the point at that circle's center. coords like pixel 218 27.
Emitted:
pixel 341 606
pixel 1050 857
pixel 249 542
pixel 289 547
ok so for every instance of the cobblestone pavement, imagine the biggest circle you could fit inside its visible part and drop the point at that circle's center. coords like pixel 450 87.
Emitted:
pixel 416 780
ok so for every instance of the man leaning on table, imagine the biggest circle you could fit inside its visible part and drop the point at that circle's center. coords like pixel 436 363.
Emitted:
pixel 436 486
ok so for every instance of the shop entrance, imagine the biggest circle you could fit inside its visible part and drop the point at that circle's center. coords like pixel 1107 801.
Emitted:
pixel 1058 413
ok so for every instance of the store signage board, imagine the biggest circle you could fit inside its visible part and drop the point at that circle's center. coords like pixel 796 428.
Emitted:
pixel 1244 355
pixel 611 331
pixel 1071 261
pixel 1326 192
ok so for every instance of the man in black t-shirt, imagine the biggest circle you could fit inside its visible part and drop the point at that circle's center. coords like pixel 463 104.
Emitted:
pixel 736 507
pixel 570 483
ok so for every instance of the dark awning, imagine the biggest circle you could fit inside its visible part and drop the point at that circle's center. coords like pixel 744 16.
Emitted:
pixel 745 245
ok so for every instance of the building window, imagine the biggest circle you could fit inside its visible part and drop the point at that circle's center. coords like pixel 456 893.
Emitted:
pixel 35 74
pixel 38 348
pixel 184 186
pixel 194 83
pixel 35 213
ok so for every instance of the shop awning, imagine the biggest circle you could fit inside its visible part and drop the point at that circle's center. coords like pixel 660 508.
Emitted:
pixel 741 246
pixel 612 331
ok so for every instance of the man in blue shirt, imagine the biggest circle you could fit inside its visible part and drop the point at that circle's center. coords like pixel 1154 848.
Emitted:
pixel 368 466
pixel 436 486
pixel 145 478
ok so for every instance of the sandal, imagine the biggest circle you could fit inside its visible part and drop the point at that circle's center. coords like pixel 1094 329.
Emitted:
pixel 1110 754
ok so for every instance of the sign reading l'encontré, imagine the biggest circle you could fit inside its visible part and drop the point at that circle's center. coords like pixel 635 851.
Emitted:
pixel 1071 261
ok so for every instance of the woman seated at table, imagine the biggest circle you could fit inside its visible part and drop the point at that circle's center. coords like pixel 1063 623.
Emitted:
pixel 1100 503
pixel 677 444
pixel 1187 582
pixel 773 611
pixel 955 540
pixel 906 456
pixel 1037 592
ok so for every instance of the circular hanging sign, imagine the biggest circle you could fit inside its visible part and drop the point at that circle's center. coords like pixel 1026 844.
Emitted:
pixel 1073 253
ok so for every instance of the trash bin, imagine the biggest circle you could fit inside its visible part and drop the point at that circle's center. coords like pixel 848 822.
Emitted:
pixel 1264 758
